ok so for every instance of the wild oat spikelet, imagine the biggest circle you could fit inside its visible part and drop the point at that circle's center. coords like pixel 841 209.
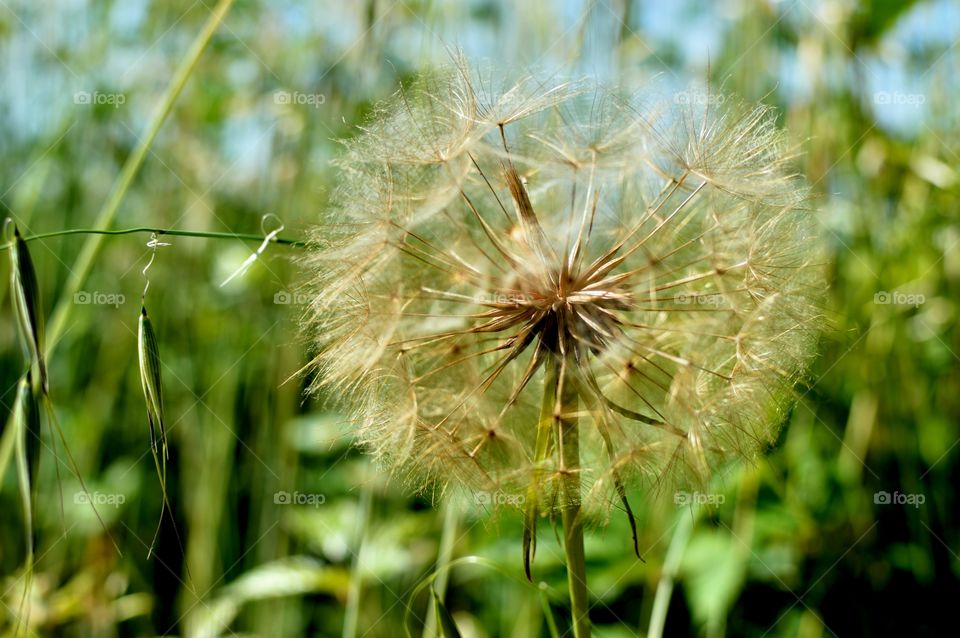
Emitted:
pixel 506 267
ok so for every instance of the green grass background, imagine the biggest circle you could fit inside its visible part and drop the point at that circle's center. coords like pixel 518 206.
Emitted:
pixel 800 546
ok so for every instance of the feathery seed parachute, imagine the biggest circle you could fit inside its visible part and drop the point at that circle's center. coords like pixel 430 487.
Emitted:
pixel 504 260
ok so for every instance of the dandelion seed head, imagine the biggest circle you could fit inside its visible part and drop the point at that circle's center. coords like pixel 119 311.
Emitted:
pixel 661 256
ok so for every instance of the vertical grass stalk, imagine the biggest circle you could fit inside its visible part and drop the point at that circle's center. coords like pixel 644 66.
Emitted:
pixel 671 565
pixel 351 617
pixel 448 538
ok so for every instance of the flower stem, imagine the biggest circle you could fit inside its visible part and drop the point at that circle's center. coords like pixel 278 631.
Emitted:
pixel 172 232
pixel 568 437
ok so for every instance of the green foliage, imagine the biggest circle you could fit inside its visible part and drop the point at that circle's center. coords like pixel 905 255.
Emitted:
pixel 266 488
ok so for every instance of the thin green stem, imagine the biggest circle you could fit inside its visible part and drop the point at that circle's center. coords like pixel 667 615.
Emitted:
pixel 548 612
pixel 568 437
pixel 448 538
pixel 351 617
pixel 671 565
pixel 172 232
pixel 108 213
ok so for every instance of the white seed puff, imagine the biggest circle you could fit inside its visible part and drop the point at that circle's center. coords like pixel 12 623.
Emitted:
pixel 660 256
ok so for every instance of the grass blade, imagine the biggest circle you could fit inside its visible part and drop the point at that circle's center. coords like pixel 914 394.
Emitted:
pixel 27 424
pixel 32 435
pixel 448 628
pixel 548 612
pixel 74 468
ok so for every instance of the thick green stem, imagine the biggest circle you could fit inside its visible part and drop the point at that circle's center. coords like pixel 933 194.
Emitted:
pixel 568 438
pixel 576 570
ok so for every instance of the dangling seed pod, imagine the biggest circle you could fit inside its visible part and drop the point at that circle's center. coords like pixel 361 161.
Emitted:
pixel 25 295
pixel 149 358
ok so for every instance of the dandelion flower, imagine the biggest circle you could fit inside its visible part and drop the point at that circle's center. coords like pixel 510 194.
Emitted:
pixel 557 291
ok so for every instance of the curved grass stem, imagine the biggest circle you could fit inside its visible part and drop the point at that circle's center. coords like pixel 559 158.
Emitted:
pixel 171 232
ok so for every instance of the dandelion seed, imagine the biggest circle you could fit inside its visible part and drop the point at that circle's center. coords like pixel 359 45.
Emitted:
pixel 563 294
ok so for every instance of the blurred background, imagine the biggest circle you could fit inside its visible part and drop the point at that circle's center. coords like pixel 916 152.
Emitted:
pixel 850 527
